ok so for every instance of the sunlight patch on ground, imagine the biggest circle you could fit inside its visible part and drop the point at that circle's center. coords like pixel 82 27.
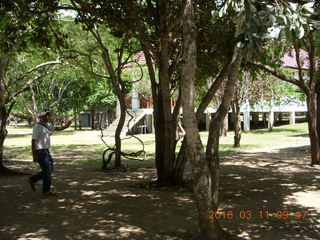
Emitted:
pixel 94 232
pixel 115 192
pixel 256 190
pixel 91 194
pixel 238 163
pixel 183 199
pixel 272 149
pixel 297 168
pixel 73 183
pixel 307 199
pixel 104 221
pixel 291 186
pixel 87 193
pixel 75 206
pixel 129 195
pixel 244 235
pixel 35 235
pixel 152 197
pixel 125 231
pixel 91 184
pixel 234 176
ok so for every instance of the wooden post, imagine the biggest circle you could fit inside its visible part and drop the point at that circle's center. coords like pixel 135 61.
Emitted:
pixel 292 117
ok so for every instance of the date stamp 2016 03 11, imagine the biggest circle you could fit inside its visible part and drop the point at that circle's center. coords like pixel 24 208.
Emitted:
pixel 261 214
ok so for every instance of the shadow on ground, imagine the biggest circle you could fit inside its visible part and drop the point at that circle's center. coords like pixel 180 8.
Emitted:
pixel 108 205
pixel 273 194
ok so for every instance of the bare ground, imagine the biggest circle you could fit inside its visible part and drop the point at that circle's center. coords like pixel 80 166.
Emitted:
pixel 93 204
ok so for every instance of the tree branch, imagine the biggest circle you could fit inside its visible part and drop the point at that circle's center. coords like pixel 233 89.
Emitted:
pixel 176 109
pixel 61 92
pixel 298 61
pixel 86 8
pixel 279 75
pixel 312 62
pixel 213 89
pixel 34 69
pixel 174 22
pixel 28 83
pixel 90 71
pixel 154 84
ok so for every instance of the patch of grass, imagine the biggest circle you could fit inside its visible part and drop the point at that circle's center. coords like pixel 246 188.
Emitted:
pixel 18 153
pixel 22 135
pixel 226 149
pixel 65 132
pixel 263 138
pixel 286 130
pixel 85 147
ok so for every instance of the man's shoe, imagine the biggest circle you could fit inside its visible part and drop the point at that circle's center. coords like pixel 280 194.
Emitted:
pixel 32 183
pixel 50 194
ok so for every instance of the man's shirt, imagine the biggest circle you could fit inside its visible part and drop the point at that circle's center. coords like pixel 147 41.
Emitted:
pixel 42 135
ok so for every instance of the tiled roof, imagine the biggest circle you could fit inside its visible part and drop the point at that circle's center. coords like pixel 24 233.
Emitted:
pixel 289 59
pixel 139 58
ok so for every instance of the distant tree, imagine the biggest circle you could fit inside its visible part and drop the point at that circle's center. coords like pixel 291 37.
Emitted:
pixel 205 164
pixel 302 34
pixel 259 89
pixel 20 32
pixel 154 25
pixel 46 92
pixel 88 82
pixel 157 28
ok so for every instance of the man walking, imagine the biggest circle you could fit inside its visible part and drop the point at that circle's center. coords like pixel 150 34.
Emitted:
pixel 40 150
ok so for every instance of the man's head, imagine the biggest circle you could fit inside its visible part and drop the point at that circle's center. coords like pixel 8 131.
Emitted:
pixel 44 115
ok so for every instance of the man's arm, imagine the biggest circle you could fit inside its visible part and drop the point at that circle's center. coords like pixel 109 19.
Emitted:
pixel 63 127
pixel 34 151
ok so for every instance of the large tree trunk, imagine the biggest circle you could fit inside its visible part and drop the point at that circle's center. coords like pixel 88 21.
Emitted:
pixel 4 113
pixel 237 122
pixel 93 117
pixel 200 168
pixel 166 130
pixel 205 166
pixel 310 88
pixel 119 86
pixel 318 110
pixel 182 157
pixel 165 134
pixel 181 162
pixel 75 114
pixel 3 134
pixel 120 91
pixel 176 174
pixel 312 126
pixel 120 125
pixel 165 122
pixel 212 150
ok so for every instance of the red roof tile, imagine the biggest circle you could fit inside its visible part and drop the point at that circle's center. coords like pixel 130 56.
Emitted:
pixel 289 59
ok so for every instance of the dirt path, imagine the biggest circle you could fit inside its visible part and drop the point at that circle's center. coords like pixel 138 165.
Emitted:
pixel 102 205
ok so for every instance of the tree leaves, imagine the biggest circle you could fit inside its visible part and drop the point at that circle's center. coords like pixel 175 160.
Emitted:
pixel 256 20
pixel 308 8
